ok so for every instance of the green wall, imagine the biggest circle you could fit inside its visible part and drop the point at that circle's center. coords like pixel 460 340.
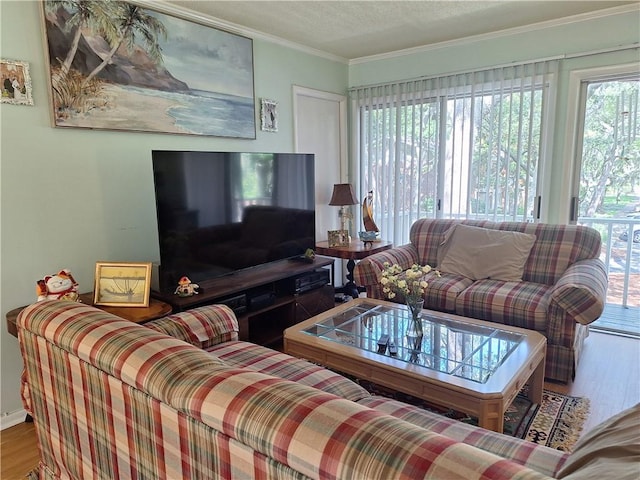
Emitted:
pixel 71 197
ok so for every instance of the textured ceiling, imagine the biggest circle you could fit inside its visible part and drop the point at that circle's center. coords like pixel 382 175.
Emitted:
pixel 353 29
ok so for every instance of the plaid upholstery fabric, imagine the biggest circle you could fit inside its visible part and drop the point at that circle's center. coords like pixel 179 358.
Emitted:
pixel 520 304
pixel 202 327
pixel 564 282
pixel 537 457
pixel 112 399
pixel 367 271
pixel 582 291
pixel 265 360
pixel 556 246
pixel 443 292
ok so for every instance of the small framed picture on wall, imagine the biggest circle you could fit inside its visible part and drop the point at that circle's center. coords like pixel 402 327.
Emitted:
pixel 16 82
pixel 269 115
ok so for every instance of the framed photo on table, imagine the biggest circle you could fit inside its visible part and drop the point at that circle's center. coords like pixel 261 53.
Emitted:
pixel 122 284
pixel 338 238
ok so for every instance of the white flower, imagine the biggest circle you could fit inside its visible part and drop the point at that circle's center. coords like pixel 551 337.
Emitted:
pixel 410 283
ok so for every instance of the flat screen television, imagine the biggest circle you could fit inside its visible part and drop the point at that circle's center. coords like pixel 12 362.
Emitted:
pixel 222 212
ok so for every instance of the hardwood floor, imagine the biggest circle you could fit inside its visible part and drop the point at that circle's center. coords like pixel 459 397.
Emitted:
pixel 608 375
pixel 19 451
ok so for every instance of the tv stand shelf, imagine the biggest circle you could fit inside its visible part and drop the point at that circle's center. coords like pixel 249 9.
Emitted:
pixel 275 305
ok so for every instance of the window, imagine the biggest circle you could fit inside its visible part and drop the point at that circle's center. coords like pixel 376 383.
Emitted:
pixel 468 145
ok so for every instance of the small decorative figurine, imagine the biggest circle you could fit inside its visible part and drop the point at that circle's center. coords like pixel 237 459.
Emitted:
pixel 371 229
pixel 60 286
pixel 186 288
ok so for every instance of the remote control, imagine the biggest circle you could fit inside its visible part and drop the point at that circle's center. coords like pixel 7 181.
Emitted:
pixel 382 343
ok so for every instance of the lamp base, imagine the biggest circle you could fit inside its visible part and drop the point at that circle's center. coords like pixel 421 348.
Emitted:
pixel 345 219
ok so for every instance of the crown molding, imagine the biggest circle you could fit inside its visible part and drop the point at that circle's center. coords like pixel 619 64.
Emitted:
pixel 187 14
pixel 182 12
pixel 583 17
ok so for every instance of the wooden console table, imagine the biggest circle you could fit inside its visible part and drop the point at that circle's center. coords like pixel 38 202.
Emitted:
pixel 264 322
pixel 156 309
pixel 356 250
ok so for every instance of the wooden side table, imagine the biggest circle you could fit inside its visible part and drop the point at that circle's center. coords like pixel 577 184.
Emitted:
pixel 356 250
pixel 156 309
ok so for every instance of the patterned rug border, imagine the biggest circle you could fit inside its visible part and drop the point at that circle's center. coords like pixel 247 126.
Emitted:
pixel 556 423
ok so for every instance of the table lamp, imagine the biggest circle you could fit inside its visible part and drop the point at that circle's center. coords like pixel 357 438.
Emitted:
pixel 343 196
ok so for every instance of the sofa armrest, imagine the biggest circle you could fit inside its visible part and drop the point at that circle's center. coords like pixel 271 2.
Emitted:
pixel 202 327
pixel 368 270
pixel 582 290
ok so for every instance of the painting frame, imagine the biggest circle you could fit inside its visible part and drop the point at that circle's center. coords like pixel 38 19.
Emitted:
pixel 268 115
pixel 15 75
pixel 187 76
pixel 112 287
pixel 338 238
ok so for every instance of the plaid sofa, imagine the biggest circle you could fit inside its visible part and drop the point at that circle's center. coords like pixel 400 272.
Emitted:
pixel 563 288
pixel 113 399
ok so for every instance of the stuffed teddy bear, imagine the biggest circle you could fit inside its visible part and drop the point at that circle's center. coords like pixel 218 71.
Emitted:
pixel 61 286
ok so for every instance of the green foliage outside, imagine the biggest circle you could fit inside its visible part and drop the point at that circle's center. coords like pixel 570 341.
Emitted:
pixel 610 175
pixel 403 145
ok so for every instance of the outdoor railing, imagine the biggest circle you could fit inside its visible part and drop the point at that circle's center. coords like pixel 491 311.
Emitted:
pixel 621 257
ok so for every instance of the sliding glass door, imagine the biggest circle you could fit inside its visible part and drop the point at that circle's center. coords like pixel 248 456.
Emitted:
pixel 606 190
pixel 469 145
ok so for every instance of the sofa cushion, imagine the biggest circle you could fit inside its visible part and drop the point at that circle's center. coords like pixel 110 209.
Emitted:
pixel 520 304
pixel 255 357
pixel 479 253
pixel 610 450
pixel 443 291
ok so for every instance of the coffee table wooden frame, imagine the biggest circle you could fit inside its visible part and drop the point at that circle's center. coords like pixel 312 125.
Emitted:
pixel 487 401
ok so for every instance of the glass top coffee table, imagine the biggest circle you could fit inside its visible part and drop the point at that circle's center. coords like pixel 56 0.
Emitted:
pixel 472 366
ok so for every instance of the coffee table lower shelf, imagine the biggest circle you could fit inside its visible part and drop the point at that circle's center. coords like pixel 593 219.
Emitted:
pixel 488 404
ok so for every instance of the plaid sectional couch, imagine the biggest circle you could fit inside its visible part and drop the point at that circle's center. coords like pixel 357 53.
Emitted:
pixel 563 286
pixel 182 398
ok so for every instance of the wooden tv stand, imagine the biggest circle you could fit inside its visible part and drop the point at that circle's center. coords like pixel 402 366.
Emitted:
pixel 271 304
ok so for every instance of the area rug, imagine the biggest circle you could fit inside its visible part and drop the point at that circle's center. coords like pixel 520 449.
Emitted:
pixel 556 423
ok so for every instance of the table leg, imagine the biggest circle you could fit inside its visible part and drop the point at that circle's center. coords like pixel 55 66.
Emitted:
pixel 350 288
pixel 536 382
pixel 491 416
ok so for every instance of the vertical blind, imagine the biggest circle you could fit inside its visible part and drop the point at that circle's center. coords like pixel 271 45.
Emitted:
pixel 466 145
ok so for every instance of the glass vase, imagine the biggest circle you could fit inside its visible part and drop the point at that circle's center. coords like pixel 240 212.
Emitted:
pixel 414 332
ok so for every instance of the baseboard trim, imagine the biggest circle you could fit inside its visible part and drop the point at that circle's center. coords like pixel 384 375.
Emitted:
pixel 12 419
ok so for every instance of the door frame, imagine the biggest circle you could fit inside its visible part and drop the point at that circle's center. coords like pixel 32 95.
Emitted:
pixel 575 131
pixel 340 164
pixel 298 92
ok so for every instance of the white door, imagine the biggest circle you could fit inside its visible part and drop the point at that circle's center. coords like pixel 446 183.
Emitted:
pixel 320 127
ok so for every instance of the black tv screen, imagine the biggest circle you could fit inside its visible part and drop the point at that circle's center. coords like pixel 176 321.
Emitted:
pixel 221 212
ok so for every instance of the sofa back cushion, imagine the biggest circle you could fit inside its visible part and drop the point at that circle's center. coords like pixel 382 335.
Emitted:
pixel 479 253
pixel 555 249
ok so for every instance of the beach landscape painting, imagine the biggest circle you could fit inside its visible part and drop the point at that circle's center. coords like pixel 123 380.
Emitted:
pixel 115 65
